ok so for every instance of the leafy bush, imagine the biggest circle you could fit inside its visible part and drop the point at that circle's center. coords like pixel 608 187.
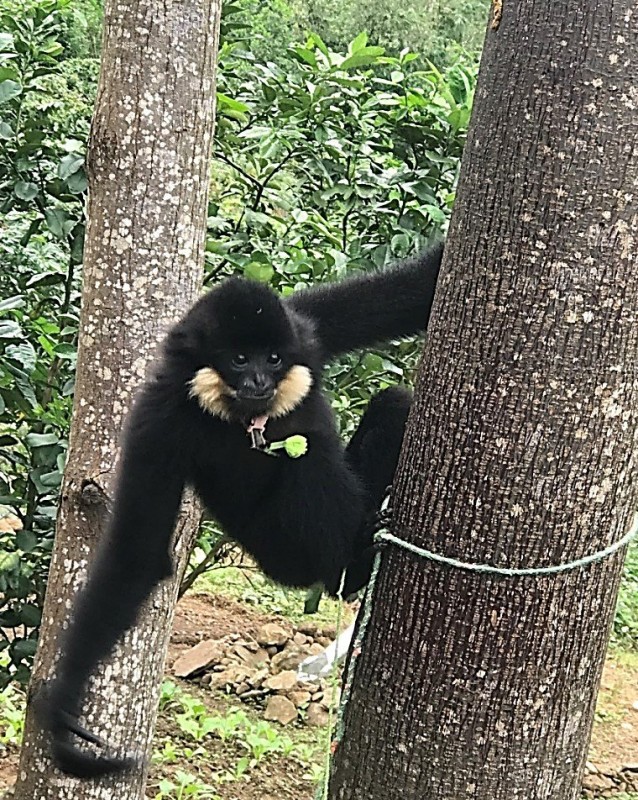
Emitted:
pixel 626 622
pixel 335 163
pixel 437 30
pixel 434 29
pixel 42 181
pixel 324 164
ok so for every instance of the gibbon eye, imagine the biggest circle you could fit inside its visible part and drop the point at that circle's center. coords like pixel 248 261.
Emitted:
pixel 274 359
pixel 239 360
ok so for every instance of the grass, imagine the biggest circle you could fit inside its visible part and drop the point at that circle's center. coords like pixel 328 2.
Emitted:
pixel 222 745
pixel 268 597
pixel 625 631
pixel 201 749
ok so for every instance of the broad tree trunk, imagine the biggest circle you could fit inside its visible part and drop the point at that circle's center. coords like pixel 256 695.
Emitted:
pixel 148 167
pixel 521 449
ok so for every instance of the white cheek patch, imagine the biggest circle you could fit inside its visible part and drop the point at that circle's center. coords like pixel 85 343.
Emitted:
pixel 212 392
pixel 291 390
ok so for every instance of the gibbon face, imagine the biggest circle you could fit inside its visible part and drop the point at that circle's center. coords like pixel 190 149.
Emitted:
pixel 253 361
pixel 252 385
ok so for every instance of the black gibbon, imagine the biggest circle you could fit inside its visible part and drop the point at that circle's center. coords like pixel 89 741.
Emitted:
pixel 241 370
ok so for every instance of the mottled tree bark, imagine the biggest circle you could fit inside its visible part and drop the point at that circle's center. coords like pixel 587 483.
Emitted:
pixel 148 167
pixel 521 449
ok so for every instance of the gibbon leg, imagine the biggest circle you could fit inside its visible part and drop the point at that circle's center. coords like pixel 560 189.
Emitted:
pixel 373 453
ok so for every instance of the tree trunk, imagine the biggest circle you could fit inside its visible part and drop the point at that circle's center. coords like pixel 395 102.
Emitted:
pixel 148 166
pixel 521 449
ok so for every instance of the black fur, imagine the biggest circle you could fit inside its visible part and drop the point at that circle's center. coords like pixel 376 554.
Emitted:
pixel 303 519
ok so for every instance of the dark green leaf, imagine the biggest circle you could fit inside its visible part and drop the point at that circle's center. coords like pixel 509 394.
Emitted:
pixel 26 541
pixel 64 350
pixel 58 221
pixel 51 479
pixel 45 279
pixel 77 182
pixel 30 615
pixel 23 648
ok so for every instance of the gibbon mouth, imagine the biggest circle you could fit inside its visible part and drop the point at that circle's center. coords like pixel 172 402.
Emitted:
pixel 254 398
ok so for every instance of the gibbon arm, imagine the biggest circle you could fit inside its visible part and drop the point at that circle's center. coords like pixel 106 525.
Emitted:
pixel 132 560
pixel 373 307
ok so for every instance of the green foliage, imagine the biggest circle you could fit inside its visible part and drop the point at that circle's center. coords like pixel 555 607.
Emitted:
pixel 626 622
pixel 330 164
pixel 329 159
pixel 43 124
pixel 256 740
pixel 184 785
pixel 12 704
pixel 82 33
pixel 437 30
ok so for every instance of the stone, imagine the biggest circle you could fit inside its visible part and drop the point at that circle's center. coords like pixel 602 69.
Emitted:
pixel 326 700
pixel 271 634
pixel 254 658
pixel 300 638
pixel 316 716
pixel 597 782
pixel 323 641
pixel 280 709
pixel 289 658
pixel 251 694
pixel 282 682
pixel 308 628
pixel 300 697
pixel 256 680
pixel 197 659
pixel 230 678
pixel 590 768
pixel 315 648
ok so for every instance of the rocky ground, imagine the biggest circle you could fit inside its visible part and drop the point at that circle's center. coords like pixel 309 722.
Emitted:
pixel 228 655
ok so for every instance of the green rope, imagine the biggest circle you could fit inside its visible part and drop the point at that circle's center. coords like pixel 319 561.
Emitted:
pixel 488 569
pixel 366 613
pixel 323 788
pixel 384 535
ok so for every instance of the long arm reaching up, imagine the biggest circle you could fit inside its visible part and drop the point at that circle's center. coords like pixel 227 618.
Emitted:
pixel 372 307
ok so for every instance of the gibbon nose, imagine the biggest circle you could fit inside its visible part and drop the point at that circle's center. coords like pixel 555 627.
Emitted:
pixel 257 386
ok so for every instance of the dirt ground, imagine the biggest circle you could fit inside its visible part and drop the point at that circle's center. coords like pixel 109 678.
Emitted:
pixel 202 616
pixel 615 740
